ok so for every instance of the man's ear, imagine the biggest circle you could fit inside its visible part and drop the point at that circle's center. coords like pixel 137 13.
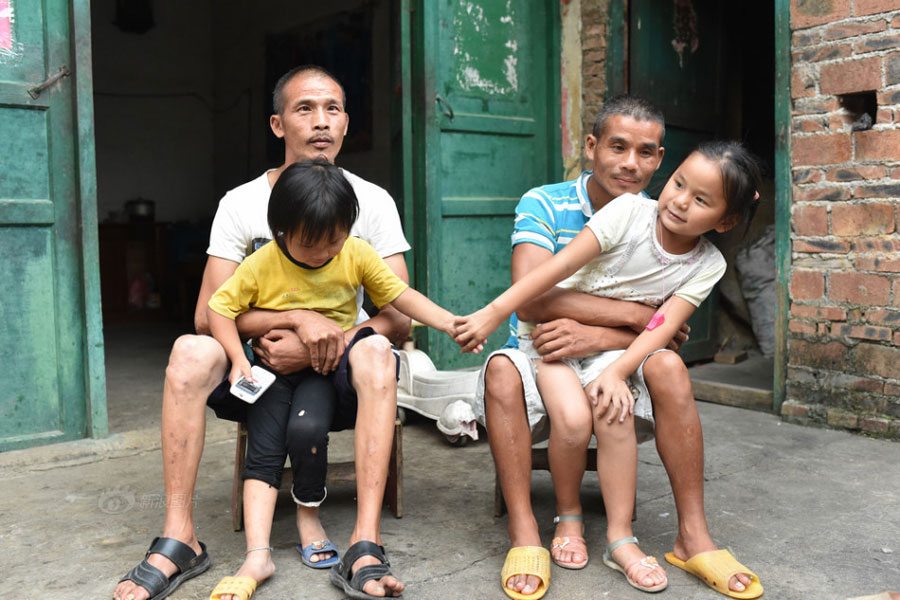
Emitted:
pixel 346 124
pixel 590 146
pixel 275 124
pixel 662 152
pixel 727 223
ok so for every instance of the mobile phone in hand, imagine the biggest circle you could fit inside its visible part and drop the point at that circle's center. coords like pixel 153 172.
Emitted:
pixel 250 391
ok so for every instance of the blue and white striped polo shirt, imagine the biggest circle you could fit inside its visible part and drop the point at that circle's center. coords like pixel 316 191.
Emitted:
pixel 550 216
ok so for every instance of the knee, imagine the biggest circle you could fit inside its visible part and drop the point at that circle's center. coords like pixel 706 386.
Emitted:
pixel 372 362
pixel 196 361
pixel 615 432
pixel 306 434
pixel 668 382
pixel 572 431
pixel 502 383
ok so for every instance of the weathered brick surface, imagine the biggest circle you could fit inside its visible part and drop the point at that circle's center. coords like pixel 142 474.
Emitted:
pixel 862 219
pixel 800 176
pixel 860 288
pixel 810 220
pixel 792 408
pixel 863 332
pixel 830 246
pixel 878 360
pixel 819 355
pixel 832 313
pixel 885 316
pixel 876 245
pixel 807 285
pixel 842 418
pixel 871 7
pixel 829 193
pixel 876 43
pixel 844 77
pixel 856 173
pixel 846 30
pixel 806 13
pixel 875 263
pixel 883 144
pixel 820 149
pixel 892 69
pixel 874 424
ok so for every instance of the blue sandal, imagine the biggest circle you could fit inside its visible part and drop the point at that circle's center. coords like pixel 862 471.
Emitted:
pixel 319 548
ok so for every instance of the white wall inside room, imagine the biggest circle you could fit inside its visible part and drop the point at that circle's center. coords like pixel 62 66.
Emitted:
pixel 153 110
pixel 241 125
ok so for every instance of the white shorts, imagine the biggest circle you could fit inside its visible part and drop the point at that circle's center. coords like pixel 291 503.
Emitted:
pixel 587 369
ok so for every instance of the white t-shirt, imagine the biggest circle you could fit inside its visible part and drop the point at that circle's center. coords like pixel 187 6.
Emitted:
pixel 242 218
pixel 241 224
pixel 634 266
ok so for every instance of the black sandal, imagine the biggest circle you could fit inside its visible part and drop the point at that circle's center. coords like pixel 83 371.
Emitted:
pixel 155 581
pixel 352 583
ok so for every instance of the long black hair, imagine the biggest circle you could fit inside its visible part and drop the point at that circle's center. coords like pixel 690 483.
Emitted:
pixel 311 199
pixel 741 173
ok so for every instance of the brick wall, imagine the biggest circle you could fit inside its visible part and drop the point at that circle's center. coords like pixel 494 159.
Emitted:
pixel 594 20
pixel 844 326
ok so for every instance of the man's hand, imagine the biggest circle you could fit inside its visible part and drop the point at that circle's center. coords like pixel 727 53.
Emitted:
pixel 282 351
pixel 323 338
pixel 565 338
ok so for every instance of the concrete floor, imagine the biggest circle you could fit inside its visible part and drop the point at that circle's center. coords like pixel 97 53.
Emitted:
pixel 815 513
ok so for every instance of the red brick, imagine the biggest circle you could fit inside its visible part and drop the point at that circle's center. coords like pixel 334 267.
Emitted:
pixel 830 246
pixel 863 332
pixel 806 13
pixel 802 327
pixel 895 24
pixel 874 424
pixel 892 68
pixel 820 149
pixel 871 7
pixel 877 190
pixel 823 330
pixel 860 75
pixel 875 263
pixel 831 313
pixel 884 115
pixel 805 38
pixel 891 389
pixel 877 144
pixel 897 339
pixel 885 316
pixel 853 29
pixel 803 82
pixel 812 176
pixel 807 285
pixel 830 356
pixel 856 173
pixel 839 122
pixel 875 43
pixel 821 193
pixel 873 359
pixel 896 292
pixel 876 245
pixel 810 220
pixel 860 289
pixel 792 408
pixel 822 53
pixel 842 418
pixel 823 104
pixel 862 219
pixel 883 98
pixel 815 125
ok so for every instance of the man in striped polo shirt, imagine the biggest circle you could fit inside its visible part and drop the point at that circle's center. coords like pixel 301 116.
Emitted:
pixel 625 149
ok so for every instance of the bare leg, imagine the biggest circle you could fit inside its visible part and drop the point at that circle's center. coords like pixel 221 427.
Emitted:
pixel 196 366
pixel 679 441
pixel 259 510
pixel 374 379
pixel 570 413
pixel 510 438
pixel 617 472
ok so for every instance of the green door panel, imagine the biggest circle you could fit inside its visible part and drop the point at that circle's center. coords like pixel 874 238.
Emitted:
pixel 42 170
pixel 487 129
pixel 674 60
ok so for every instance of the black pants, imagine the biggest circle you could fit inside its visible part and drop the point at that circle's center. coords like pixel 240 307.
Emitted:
pixel 293 418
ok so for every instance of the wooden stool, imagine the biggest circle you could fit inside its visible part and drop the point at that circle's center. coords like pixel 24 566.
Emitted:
pixel 540 461
pixel 337 473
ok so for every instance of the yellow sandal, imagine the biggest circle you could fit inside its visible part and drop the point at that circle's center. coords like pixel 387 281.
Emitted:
pixel 242 587
pixel 526 560
pixel 716 568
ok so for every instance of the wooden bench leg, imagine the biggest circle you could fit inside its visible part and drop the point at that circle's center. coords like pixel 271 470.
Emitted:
pixel 394 486
pixel 237 484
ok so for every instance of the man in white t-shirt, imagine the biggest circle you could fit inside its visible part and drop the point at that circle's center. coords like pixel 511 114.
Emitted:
pixel 309 116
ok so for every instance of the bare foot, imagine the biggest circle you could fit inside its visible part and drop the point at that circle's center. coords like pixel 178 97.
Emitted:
pixel 523 533
pixel 129 590
pixel 568 548
pixel 639 568
pixel 685 551
pixel 388 586
pixel 310 529
pixel 257 565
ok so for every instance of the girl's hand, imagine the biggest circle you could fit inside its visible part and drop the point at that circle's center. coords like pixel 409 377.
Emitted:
pixel 610 396
pixel 471 331
pixel 239 369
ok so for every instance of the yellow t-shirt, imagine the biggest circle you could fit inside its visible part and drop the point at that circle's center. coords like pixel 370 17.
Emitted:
pixel 269 279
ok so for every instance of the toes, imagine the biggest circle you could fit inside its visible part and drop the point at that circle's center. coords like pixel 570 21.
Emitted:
pixel 373 587
pixel 531 585
pixel 737 582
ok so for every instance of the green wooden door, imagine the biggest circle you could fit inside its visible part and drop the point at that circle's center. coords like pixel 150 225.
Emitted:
pixel 674 59
pixel 486 129
pixel 49 304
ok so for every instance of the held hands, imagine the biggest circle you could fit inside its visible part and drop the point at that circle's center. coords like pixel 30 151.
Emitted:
pixel 322 337
pixel 610 396
pixel 471 331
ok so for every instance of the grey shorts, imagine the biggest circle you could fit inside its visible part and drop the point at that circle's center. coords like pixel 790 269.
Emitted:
pixel 587 369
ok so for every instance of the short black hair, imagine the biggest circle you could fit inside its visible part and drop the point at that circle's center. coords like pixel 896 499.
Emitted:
pixel 278 93
pixel 311 199
pixel 741 174
pixel 635 107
